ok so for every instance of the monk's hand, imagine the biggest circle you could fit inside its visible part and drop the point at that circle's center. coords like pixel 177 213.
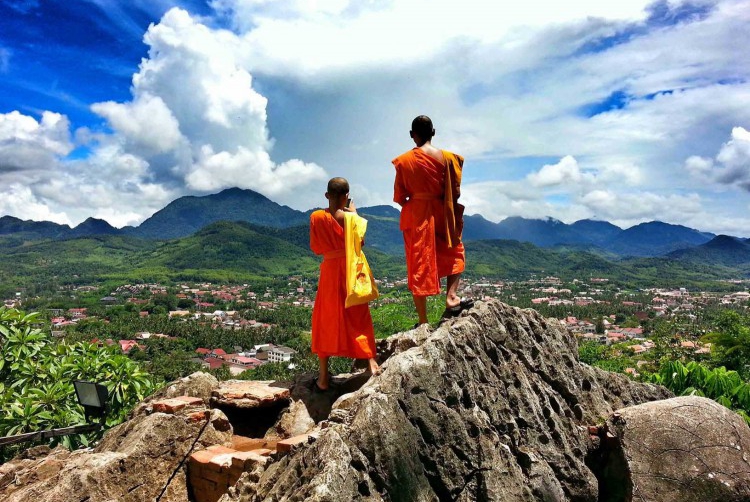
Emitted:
pixel 351 208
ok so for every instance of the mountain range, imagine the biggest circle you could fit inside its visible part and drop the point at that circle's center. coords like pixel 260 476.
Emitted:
pixel 187 215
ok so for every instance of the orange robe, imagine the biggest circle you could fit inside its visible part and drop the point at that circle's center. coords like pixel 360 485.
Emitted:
pixel 420 190
pixel 336 330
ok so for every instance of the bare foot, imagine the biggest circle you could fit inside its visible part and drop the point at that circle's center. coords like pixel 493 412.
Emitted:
pixel 322 382
pixel 374 368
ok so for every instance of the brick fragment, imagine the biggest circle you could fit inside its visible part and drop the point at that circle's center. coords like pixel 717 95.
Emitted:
pixel 216 449
pixel 169 405
pixel 190 400
pixel 222 459
pixel 286 445
pixel 594 430
pixel 197 416
pixel 241 443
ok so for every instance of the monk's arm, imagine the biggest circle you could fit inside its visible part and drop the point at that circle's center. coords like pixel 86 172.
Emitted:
pixel 400 194
pixel 315 244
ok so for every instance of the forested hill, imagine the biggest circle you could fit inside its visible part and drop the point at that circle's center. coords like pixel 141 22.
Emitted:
pixel 186 215
pixel 232 252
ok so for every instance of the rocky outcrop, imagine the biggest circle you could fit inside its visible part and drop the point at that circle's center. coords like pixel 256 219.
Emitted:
pixel 141 459
pixel 493 405
pixel 488 407
pixel 686 449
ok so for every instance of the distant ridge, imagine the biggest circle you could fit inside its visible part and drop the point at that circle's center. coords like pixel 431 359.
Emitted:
pixel 32 229
pixel 187 215
pixel 597 232
pixel 93 226
pixel 382 211
pixel 722 249
pixel 656 238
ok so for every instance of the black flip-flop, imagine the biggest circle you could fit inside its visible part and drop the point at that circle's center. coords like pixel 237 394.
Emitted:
pixel 464 304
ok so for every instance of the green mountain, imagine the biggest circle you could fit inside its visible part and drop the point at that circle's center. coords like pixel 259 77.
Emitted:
pixel 517 260
pixel 383 231
pixel 656 238
pixel 232 252
pixel 31 230
pixel 237 248
pixel 187 215
pixel 93 226
pixel 51 264
pixel 723 249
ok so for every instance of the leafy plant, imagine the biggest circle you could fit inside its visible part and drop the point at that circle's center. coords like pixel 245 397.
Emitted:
pixel 37 374
pixel 726 387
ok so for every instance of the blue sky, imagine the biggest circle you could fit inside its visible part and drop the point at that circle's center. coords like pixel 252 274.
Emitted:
pixel 631 112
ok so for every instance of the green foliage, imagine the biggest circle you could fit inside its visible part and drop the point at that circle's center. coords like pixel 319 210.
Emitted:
pixel 590 352
pixel 36 379
pixel 732 341
pixel 724 386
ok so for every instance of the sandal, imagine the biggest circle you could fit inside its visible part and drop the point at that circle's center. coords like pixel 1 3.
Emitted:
pixel 464 304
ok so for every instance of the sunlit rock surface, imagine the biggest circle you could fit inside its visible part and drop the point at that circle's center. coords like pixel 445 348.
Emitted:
pixel 493 405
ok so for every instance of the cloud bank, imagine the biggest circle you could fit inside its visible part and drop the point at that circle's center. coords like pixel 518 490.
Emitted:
pixel 585 110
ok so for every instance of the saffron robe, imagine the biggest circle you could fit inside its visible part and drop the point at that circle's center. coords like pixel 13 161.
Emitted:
pixel 336 330
pixel 431 218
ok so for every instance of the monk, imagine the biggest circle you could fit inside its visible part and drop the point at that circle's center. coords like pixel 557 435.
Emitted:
pixel 336 330
pixel 427 187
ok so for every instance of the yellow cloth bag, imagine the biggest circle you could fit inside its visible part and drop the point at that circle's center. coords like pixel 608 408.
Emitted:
pixel 360 284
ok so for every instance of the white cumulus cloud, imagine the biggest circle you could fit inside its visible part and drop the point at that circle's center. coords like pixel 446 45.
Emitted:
pixel 731 165
pixel 30 145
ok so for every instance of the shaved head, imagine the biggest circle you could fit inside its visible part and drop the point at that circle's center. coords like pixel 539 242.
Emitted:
pixel 422 127
pixel 338 187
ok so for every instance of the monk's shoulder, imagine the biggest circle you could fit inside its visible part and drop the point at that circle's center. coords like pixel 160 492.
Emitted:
pixel 404 158
pixel 319 215
pixel 448 155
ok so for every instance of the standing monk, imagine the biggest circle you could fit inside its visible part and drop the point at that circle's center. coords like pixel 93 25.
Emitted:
pixel 427 187
pixel 337 330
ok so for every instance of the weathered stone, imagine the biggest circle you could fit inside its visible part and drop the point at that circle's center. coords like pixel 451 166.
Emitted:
pixel 199 385
pixel 219 421
pixel 493 405
pixel 248 394
pixel 487 407
pixel 286 445
pixel 133 463
pixel 294 421
pixel 686 449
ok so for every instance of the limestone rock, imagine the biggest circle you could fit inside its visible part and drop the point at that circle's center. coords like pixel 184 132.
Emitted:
pixel 686 449
pixel 487 407
pixel 294 421
pixel 493 405
pixel 134 462
pixel 199 384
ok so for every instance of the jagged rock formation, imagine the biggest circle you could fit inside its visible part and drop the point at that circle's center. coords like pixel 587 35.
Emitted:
pixel 488 407
pixel 493 405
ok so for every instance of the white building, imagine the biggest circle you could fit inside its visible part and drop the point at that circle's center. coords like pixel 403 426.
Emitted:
pixel 280 354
